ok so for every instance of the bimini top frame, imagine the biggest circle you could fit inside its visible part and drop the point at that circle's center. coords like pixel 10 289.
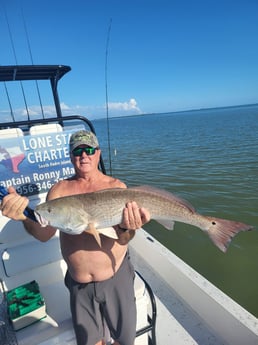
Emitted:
pixel 53 73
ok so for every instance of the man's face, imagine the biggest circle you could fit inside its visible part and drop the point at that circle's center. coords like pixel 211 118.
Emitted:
pixel 85 158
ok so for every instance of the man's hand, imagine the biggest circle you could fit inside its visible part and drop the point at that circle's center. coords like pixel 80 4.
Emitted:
pixel 134 217
pixel 13 205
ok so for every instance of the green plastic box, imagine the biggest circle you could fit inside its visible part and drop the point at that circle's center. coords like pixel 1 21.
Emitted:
pixel 25 305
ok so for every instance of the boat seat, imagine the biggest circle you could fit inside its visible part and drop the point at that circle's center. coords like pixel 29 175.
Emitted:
pixel 11 133
pixel 47 128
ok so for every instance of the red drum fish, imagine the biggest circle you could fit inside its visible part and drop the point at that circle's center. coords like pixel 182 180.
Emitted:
pixel 103 209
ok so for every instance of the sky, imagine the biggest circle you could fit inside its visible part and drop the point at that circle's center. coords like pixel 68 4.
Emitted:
pixel 162 55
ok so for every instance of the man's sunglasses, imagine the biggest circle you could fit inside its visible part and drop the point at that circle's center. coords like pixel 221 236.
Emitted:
pixel 88 150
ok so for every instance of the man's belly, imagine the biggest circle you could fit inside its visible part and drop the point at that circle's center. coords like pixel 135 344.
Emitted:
pixel 88 262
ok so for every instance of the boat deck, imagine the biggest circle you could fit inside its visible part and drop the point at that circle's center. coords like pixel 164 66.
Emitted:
pixel 190 310
pixel 179 327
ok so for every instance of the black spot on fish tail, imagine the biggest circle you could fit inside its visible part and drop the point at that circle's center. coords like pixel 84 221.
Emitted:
pixel 222 231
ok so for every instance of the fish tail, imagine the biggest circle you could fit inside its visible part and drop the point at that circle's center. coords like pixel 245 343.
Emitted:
pixel 221 231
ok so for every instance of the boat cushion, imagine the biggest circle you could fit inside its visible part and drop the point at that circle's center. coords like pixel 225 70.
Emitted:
pixel 48 128
pixel 11 133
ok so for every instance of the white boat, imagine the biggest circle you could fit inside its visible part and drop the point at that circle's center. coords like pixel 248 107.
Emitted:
pixel 175 304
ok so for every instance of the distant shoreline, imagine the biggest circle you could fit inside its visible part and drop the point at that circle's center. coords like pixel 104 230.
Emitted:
pixel 179 111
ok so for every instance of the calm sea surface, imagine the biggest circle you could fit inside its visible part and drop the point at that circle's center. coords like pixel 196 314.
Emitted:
pixel 210 158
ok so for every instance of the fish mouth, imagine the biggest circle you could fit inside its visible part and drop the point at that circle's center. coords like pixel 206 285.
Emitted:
pixel 42 221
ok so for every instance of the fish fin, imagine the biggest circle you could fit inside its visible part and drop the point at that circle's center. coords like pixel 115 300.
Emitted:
pixel 166 194
pixel 221 231
pixel 109 232
pixel 168 224
pixel 92 230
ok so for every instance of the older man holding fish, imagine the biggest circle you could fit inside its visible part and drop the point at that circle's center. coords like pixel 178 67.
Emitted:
pixel 99 276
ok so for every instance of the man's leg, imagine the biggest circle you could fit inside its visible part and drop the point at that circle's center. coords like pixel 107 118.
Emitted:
pixel 119 309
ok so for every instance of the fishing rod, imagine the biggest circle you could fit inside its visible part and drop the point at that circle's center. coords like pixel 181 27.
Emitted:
pixel 16 61
pixel 106 88
pixel 6 89
pixel 9 101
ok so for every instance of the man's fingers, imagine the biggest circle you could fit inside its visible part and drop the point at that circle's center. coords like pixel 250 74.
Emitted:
pixel 14 205
pixel 131 216
pixel 145 215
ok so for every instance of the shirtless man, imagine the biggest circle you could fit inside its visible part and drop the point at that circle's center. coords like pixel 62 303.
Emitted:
pixel 100 280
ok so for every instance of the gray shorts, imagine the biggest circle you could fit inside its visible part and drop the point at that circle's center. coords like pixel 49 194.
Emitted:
pixel 111 301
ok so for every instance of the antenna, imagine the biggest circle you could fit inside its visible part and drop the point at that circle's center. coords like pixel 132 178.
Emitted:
pixel 106 86
pixel 31 59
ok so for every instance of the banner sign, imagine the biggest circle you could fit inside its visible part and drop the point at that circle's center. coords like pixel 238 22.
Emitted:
pixel 33 163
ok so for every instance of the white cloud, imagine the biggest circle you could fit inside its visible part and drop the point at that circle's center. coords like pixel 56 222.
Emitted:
pixel 92 112
pixel 115 109
pixel 131 105
pixel 36 111
pixel 64 106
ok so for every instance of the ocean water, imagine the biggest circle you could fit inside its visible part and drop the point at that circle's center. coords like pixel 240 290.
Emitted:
pixel 210 158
